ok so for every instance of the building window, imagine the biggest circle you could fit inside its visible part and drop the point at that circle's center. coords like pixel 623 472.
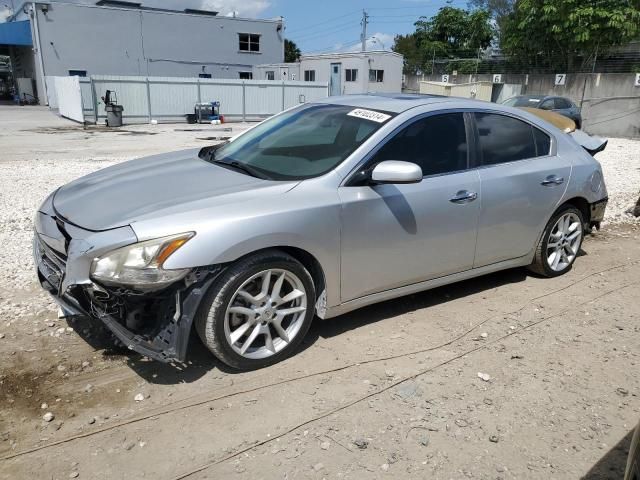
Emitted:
pixel 351 74
pixel 246 75
pixel 77 73
pixel 309 75
pixel 376 76
pixel 249 42
pixel 270 75
pixel 204 75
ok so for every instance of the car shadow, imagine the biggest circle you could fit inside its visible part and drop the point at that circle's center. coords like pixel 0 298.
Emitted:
pixel 612 465
pixel 200 361
pixel 399 306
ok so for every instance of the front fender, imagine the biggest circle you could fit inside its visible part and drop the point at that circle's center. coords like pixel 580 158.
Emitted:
pixel 306 218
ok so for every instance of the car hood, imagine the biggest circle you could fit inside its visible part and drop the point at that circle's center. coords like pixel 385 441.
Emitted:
pixel 154 186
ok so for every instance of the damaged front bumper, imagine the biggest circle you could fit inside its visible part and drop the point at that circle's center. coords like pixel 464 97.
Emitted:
pixel 597 210
pixel 156 324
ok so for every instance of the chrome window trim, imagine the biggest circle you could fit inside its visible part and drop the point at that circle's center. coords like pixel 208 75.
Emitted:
pixel 553 148
pixel 470 155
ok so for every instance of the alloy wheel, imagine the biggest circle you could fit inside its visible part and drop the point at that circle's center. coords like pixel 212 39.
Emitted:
pixel 265 313
pixel 564 242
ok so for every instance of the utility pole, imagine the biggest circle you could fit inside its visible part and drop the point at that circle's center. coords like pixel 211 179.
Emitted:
pixel 363 35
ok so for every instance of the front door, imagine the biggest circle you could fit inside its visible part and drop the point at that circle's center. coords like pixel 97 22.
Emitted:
pixel 522 181
pixel 335 85
pixel 396 235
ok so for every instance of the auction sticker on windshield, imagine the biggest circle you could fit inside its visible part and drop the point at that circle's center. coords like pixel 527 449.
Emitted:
pixel 369 115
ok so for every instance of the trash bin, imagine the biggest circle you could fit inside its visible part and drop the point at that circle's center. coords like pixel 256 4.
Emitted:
pixel 114 115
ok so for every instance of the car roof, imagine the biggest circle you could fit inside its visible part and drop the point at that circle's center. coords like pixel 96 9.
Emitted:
pixel 395 102
pixel 531 96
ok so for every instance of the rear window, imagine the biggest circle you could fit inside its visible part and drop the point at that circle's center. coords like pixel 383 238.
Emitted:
pixel 532 102
pixel 505 139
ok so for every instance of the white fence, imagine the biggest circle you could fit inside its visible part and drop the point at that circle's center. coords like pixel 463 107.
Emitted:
pixel 69 98
pixel 172 98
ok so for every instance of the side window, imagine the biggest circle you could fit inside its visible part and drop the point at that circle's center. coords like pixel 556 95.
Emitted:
pixel 504 139
pixel 248 42
pixel 543 142
pixel 547 104
pixel 562 103
pixel 437 143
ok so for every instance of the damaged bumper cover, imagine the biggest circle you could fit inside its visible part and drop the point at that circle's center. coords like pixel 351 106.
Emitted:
pixel 156 324
pixel 597 210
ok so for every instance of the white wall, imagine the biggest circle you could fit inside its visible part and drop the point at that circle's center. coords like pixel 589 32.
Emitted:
pixel 281 71
pixel 390 62
pixel 172 98
pixel 117 41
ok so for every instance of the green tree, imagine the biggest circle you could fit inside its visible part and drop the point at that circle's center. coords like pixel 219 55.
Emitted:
pixel 565 35
pixel 451 33
pixel 291 51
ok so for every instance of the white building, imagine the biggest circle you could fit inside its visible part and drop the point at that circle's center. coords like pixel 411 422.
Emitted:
pixel 345 72
pixel 117 37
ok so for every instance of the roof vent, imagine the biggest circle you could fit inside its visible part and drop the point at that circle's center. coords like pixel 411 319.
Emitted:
pixel 195 11
pixel 118 3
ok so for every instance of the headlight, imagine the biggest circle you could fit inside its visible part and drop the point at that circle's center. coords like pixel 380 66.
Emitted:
pixel 140 265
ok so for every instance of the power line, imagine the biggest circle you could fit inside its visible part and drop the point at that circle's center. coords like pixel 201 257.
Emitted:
pixel 315 24
pixel 424 6
pixel 325 32
pixel 344 45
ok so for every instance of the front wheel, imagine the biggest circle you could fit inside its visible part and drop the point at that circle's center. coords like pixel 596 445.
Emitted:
pixel 560 243
pixel 258 311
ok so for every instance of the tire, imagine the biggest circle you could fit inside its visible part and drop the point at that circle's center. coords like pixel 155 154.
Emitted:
pixel 256 313
pixel 549 265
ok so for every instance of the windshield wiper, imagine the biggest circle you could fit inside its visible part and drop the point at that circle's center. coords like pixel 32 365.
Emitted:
pixel 242 167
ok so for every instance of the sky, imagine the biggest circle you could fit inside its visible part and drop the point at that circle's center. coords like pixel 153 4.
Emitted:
pixel 316 26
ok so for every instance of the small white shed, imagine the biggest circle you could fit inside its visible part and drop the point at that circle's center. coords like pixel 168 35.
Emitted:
pixel 345 72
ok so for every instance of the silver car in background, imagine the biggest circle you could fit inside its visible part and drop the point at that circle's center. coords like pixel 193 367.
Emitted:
pixel 319 210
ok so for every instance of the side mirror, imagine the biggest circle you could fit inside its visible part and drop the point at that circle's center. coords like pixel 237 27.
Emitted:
pixel 396 171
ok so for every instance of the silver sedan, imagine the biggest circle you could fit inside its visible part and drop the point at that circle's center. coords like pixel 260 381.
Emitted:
pixel 319 210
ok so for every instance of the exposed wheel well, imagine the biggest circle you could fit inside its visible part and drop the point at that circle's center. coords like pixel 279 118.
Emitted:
pixel 307 260
pixel 582 205
pixel 310 263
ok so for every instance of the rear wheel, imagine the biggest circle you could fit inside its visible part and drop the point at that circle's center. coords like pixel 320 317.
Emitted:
pixel 258 311
pixel 560 243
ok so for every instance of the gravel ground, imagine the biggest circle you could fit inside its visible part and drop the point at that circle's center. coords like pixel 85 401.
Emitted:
pixel 389 390
pixel 621 167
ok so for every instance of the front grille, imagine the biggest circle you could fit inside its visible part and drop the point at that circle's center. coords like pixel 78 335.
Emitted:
pixel 51 264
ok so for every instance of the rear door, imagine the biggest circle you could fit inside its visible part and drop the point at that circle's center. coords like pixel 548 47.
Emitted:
pixel 522 180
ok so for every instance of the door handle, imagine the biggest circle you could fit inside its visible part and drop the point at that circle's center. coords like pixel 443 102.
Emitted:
pixel 552 180
pixel 464 196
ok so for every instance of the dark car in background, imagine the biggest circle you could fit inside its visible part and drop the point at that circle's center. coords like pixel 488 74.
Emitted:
pixel 560 105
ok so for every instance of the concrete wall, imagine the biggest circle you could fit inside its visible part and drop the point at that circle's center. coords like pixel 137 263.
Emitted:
pixel 610 101
pixel 115 41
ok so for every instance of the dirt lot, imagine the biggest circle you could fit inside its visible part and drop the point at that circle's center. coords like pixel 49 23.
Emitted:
pixel 392 390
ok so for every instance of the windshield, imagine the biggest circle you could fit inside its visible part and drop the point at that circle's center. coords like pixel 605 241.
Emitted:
pixel 302 143
pixel 523 102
